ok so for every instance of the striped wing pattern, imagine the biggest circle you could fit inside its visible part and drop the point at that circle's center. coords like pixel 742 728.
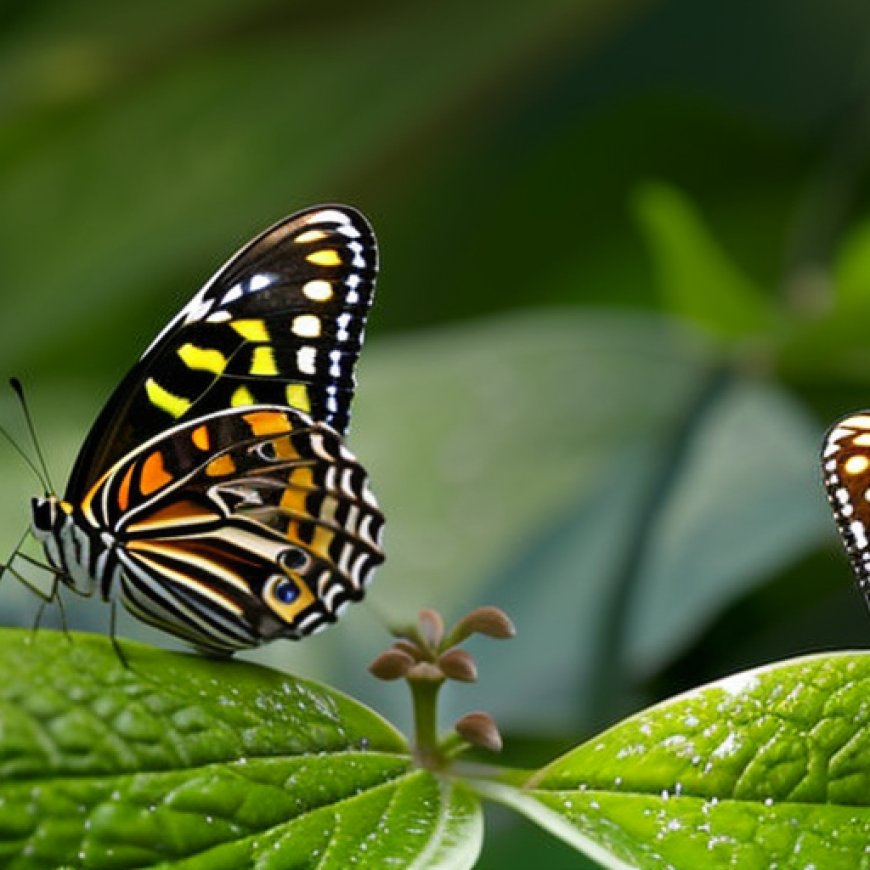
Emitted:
pixel 240 527
pixel 282 322
pixel 846 469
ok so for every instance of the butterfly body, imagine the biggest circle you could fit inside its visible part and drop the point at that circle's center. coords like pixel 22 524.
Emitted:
pixel 215 494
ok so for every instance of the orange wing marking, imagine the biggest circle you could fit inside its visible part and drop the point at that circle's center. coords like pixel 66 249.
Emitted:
pixel 293 500
pixel 221 466
pixel 200 437
pixel 154 474
pixel 323 537
pixel 268 423
pixel 124 490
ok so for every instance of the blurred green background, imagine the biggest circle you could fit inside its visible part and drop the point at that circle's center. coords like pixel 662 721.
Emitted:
pixel 625 287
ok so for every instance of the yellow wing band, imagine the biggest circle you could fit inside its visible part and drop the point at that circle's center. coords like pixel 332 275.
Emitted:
pixel 161 398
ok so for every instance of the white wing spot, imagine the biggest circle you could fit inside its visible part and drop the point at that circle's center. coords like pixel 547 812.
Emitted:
pixel 358 259
pixel 306 359
pixel 343 321
pixel 235 292
pixel 306 326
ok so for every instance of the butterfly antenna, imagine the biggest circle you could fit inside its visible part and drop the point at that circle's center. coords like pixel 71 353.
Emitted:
pixel 45 477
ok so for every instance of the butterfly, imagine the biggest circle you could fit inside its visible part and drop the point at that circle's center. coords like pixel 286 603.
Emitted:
pixel 846 469
pixel 214 494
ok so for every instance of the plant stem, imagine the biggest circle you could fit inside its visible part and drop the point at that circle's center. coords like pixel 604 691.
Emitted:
pixel 425 698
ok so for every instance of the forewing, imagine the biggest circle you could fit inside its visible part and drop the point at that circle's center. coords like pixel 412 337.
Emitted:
pixel 846 464
pixel 282 322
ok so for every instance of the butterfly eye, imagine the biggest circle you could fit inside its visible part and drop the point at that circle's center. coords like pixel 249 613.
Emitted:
pixel 285 591
pixel 293 559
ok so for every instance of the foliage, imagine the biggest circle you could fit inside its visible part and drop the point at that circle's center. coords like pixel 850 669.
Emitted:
pixel 179 761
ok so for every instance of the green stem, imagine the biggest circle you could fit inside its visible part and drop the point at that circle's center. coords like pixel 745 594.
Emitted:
pixel 425 699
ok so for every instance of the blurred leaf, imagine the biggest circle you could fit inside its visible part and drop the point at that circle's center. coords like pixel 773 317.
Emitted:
pixel 196 762
pixel 852 268
pixel 744 499
pixel 480 437
pixel 697 278
pixel 766 768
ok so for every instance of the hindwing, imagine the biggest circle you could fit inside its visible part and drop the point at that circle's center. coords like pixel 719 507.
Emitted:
pixel 281 323
pixel 241 526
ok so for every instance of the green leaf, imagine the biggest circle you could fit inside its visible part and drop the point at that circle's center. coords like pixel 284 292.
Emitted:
pixel 183 761
pixel 698 280
pixel 744 496
pixel 767 768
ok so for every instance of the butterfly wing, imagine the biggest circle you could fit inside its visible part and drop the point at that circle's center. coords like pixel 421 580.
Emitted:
pixel 240 527
pixel 280 323
pixel 846 466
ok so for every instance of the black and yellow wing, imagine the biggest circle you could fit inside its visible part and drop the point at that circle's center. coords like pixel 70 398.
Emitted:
pixel 280 323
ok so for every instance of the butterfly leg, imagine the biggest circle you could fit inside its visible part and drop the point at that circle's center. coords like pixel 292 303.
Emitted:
pixel 113 634
pixel 7 565
pixel 46 598
pixel 61 609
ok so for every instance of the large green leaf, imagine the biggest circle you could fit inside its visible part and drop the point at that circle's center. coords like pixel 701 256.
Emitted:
pixel 181 761
pixel 769 768
pixel 744 498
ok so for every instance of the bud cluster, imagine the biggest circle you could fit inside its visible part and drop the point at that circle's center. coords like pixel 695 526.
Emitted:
pixel 425 655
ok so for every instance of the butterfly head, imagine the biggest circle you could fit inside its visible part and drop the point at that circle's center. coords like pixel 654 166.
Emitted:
pixel 48 515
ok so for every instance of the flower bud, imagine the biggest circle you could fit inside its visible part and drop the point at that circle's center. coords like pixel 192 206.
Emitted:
pixel 457 664
pixel 491 621
pixel 479 729
pixel 393 664
pixel 431 626
pixel 409 647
